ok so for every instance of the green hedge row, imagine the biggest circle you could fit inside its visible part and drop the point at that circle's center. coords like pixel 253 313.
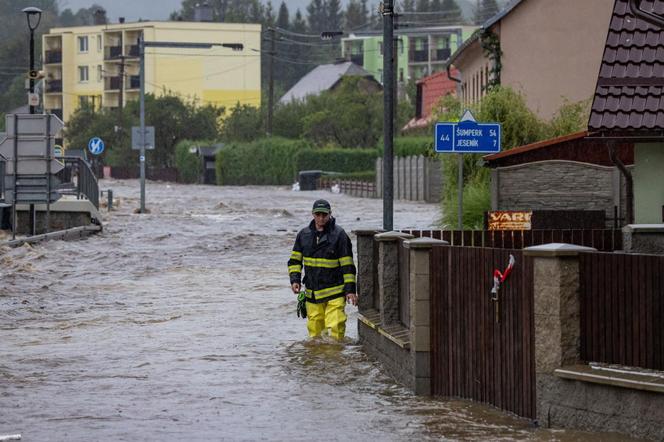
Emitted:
pixel 409 146
pixel 267 161
pixel 336 160
pixel 187 163
pixel 276 161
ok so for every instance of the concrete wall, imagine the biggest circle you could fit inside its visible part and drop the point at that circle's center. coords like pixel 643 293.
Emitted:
pixel 404 351
pixel 648 183
pixel 416 178
pixel 597 403
pixel 564 185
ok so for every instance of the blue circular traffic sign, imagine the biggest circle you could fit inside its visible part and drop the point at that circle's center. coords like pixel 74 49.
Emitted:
pixel 95 145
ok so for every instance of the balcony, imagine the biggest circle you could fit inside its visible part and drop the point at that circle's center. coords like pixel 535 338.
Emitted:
pixel 112 52
pixel 53 57
pixel 134 82
pixel 419 56
pixel 132 51
pixel 112 84
pixel 53 86
pixel 441 54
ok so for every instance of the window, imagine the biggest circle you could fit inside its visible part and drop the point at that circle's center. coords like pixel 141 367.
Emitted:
pixel 99 72
pixel 83 44
pixel 401 75
pixel 99 46
pixel 83 74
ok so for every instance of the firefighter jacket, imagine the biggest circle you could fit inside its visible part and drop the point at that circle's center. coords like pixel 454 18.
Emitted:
pixel 329 271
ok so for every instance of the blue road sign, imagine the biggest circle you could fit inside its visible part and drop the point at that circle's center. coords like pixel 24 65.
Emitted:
pixel 95 145
pixel 467 136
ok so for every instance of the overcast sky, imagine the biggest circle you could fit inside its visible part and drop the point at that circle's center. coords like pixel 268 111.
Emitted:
pixel 132 10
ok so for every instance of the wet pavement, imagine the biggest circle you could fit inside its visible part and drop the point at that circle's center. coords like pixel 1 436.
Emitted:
pixel 180 325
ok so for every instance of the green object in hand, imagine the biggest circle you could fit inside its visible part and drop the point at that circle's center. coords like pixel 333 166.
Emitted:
pixel 301 306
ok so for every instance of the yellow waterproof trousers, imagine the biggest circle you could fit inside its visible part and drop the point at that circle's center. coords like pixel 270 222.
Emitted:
pixel 327 315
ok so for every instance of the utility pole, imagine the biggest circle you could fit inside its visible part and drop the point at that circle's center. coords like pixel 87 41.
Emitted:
pixel 122 74
pixel 270 83
pixel 387 10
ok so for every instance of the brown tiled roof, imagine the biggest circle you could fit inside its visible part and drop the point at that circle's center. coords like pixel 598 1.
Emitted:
pixel 629 98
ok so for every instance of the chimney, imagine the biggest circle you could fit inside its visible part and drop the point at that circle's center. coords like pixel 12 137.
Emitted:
pixel 121 20
pixel 99 17
pixel 203 12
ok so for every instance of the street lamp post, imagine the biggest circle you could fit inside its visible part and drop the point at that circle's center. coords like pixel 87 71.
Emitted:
pixel 33 16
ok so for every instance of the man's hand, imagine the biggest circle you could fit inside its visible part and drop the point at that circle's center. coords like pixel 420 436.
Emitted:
pixel 295 287
pixel 351 298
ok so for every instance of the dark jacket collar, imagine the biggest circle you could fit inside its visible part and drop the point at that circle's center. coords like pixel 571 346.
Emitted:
pixel 328 227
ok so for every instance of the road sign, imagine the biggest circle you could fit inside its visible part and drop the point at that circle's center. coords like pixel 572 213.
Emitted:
pixel 96 145
pixel 136 138
pixel 33 144
pixel 467 136
pixel 33 99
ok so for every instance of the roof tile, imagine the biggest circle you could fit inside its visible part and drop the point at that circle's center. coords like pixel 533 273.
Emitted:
pixel 634 51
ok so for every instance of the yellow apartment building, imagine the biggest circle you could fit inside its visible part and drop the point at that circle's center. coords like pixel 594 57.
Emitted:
pixel 88 64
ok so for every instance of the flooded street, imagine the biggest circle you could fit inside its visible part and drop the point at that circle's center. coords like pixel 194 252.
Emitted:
pixel 180 325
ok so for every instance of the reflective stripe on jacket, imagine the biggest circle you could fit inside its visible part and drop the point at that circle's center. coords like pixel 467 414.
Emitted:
pixel 329 271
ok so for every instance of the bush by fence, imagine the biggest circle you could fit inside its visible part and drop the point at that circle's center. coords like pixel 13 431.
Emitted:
pixel 336 160
pixel 410 146
pixel 187 163
pixel 268 161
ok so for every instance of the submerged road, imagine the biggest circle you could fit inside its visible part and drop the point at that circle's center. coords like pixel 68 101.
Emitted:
pixel 180 325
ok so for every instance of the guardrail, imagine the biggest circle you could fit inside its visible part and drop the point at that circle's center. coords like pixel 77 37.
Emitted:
pixel 78 179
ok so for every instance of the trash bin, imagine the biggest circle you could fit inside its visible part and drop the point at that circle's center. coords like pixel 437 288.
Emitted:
pixel 308 179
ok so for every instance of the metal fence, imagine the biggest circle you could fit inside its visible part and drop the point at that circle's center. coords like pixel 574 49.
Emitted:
pixel 604 240
pixel 78 179
pixel 622 309
pixel 482 349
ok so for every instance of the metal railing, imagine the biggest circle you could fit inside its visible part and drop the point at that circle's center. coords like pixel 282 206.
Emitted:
pixel 2 181
pixel 78 179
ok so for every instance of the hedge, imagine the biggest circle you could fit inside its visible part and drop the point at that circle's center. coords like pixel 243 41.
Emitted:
pixel 337 160
pixel 187 163
pixel 408 146
pixel 267 161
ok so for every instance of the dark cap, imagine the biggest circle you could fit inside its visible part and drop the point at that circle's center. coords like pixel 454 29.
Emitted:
pixel 321 206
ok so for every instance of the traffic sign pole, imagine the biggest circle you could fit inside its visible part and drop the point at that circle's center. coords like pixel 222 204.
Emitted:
pixel 141 51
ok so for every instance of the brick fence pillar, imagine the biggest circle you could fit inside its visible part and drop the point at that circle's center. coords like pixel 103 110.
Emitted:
pixel 557 310
pixel 388 275
pixel 366 268
pixel 420 318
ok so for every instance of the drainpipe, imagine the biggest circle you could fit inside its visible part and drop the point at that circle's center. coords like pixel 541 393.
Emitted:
pixel 629 181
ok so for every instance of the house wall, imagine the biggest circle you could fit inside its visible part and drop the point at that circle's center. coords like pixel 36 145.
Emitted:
pixel 552 50
pixel 648 183
pixel 558 185
pixel 475 74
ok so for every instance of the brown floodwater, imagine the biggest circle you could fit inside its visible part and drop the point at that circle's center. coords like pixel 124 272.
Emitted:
pixel 180 325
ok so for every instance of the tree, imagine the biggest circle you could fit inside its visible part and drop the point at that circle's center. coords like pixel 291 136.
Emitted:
pixel 422 6
pixel 355 15
pixel 333 15
pixel 408 6
pixel 283 19
pixel 173 119
pixel 316 16
pixel 452 12
pixel 269 19
pixel 484 10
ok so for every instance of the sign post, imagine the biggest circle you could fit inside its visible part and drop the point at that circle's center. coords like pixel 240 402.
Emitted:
pixel 466 136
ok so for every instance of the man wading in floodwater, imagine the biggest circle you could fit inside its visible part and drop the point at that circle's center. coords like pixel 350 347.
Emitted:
pixel 329 273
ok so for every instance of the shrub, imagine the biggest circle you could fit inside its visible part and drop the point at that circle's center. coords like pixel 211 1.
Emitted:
pixel 187 163
pixel 336 160
pixel 267 161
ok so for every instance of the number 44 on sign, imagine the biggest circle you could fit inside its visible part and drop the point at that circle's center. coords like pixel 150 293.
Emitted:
pixel 467 136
